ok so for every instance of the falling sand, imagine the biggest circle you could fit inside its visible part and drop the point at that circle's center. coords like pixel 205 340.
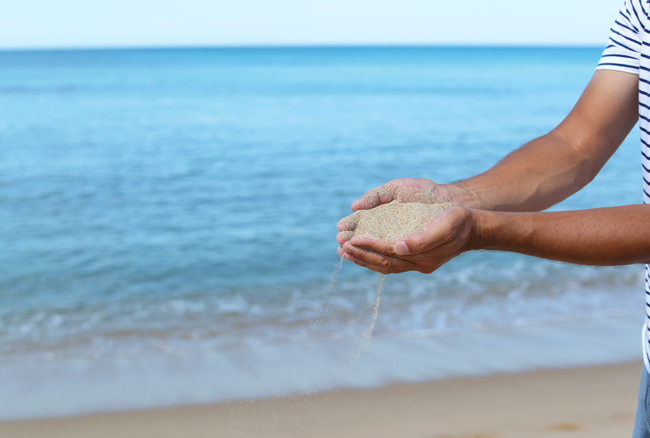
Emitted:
pixel 375 311
pixel 411 211
pixel 362 349
pixel 327 303
pixel 359 351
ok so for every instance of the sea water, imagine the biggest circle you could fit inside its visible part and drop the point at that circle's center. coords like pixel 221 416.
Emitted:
pixel 185 201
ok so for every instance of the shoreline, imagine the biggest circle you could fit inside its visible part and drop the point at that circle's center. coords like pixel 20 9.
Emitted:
pixel 60 389
pixel 596 401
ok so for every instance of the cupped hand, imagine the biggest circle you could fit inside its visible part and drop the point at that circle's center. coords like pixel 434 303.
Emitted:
pixel 405 190
pixel 420 190
pixel 398 189
pixel 448 235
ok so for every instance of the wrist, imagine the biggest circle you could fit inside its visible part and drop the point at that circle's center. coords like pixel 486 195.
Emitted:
pixel 484 226
pixel 506 231
pixel 462 196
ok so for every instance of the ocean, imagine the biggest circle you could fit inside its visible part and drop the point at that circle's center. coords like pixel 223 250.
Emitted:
pixel 184 201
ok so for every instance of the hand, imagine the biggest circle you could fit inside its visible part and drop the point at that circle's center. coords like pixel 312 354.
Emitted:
pixel 419 190
pixel 448 235
pixel 426 192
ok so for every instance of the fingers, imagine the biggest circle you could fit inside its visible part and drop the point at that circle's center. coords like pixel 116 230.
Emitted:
pixel 349 257
pixel 411 194
pixel 403 190
pixel 380 195
pixel 439 232
pixel 348 223
pixel 375 261
pixel 374 245
pixel 388 249
pixel 344 236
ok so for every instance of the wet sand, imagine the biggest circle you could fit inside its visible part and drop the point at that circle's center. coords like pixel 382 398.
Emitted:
pixel 591 402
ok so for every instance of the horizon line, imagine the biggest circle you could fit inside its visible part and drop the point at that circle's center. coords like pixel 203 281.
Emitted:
pixel 300 46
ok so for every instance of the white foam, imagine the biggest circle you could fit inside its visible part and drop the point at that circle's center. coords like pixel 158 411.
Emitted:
pixel 162 380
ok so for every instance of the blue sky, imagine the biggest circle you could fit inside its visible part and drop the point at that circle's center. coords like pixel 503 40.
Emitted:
pixel 128 23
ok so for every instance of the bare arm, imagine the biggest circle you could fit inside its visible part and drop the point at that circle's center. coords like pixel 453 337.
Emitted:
pixel 532 178
pixel 601 237
pixel 551 168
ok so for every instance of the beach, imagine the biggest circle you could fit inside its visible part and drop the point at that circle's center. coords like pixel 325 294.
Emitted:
pixel 170 220
pixel 516 382
pixel 177 183
pixel 597 401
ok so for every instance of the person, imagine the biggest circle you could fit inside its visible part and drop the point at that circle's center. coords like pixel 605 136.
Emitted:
pixel 501 209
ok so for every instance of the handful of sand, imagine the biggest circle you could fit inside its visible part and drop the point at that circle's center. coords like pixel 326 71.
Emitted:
pixel 410 212
pixel 390 222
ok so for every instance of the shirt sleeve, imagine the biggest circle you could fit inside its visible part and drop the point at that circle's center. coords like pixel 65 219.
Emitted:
pixel 623 49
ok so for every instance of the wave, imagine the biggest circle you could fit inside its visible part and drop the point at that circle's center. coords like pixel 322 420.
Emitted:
pixel 456 301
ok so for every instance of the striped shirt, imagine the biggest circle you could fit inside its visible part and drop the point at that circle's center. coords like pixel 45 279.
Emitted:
pixel 628 50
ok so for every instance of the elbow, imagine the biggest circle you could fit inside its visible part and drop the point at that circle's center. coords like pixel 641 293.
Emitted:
pixel 586 155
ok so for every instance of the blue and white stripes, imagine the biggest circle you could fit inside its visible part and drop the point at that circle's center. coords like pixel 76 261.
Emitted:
pixel 623 51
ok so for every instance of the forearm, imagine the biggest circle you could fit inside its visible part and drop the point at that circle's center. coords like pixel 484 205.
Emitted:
pixel 532 178
pixel 536 176
pixel 553 167
pixel 601 237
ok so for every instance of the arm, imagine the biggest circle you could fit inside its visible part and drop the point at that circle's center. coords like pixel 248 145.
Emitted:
pixel 548 169
pixel 553 167
pixel 603 237
pixel 534 177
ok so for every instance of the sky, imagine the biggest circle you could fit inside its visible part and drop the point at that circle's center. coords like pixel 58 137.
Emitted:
pixel 164 23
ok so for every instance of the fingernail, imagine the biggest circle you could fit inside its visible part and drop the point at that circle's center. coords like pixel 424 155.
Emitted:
pixel 401 248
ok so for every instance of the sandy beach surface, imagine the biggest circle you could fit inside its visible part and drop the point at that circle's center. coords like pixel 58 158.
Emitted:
pixel 576 402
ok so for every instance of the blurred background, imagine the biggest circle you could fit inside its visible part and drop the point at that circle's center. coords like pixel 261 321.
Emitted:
pixel 171 175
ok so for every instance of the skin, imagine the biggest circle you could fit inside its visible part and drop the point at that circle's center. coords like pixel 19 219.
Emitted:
pixel 500 209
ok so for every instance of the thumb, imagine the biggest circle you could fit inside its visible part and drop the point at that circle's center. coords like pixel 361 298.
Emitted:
pixel 427 240
pixel 401 247
pixel 413 244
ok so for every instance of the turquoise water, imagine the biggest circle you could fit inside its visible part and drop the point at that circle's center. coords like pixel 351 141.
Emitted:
pixel 186 200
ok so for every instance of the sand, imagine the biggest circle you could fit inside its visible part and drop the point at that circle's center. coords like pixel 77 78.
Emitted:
pixel 359 352
pixel 589 402
pixel 390 222
pixel 410 211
